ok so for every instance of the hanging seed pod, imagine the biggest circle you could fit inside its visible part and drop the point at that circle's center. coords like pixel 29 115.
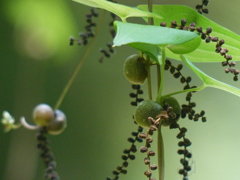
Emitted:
pixel 135 69
pixel 43 115
pixel 59 123
pixel 171 102
pixel 146 109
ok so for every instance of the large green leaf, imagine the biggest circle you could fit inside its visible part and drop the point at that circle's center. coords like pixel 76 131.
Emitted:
pixel 145 37
pixel 120 10
pixel 209 81
pixel 206 51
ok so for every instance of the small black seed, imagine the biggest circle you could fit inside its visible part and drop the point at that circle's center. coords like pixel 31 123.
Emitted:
pixel 123 171
pixel 172 70
pixel 131 156
pixel 151 153
pixel 125 164
pixel 204 119
pixel 183 22
pixel 203 36
pixel 153 167
pixel 214 39
pixel 209 30
pixel 205 11
pixel 177 75
pixel 163 24
pixel 124 157
pixel 208 39
pixel 182 80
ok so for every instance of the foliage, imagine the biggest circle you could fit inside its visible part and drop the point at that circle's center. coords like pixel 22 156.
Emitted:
pixel 151 39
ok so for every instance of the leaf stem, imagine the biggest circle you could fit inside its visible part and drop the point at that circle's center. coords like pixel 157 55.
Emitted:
pixel 158 76
pixel 186 90
pixel 150 19
pixel 160 155
pixel 158 100
pixel 149 78
pixel 79 66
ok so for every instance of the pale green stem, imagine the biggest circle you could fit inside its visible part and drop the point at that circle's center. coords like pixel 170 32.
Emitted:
pixel 79 66
pixel 150 20
pixel 160 138
pixel 186 90
pixel 160 155
pixel 158 76
pixel 158 100
pixel 149 78
pixel 28 126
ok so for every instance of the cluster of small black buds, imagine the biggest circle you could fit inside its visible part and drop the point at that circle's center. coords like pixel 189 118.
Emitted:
pixel 188 110
pixel 84 37
pixel 114 17
pixel 148 140
pixel 219 49
pixel 94 14
pixel 113 33
pixel 136 95
pixel 176 72
pixel 105 53
pixel 233 71
pixel 174 126
pixel 192 26
pixel 109 45
pixel 201 9
pixel 223 52
pixel 183 144
pixel 128 154
pixel 47 155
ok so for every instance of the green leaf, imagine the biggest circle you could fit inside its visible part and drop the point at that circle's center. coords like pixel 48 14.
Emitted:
pixel 145 37
pixel 152 51
pixel 120 10
pixel 206 51
pixel 209 81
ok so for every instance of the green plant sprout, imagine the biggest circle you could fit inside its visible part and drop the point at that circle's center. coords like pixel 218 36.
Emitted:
pixel 185 35
pixel 177 42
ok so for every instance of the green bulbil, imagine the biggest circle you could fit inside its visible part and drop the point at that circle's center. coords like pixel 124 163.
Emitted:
pixel 135 69
pixel 171 102
pixel 146 109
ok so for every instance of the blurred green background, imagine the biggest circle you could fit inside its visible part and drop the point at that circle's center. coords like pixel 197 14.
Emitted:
pixel 37 62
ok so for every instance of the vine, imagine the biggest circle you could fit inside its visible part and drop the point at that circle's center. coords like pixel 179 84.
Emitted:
pixel 158 41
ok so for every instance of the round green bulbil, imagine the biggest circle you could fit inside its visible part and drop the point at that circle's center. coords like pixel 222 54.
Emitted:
pixel 167 102
pixel 43 114
pixel 135 69
pixel 59 123
pixel 146 109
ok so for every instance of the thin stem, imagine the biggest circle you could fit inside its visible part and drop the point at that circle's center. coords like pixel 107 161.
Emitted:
pixel 160 155
pixel 158 76
pixel 158 100
pixel 186 90
pixel 28 126
pixel 79 66
pixel 149 78
pixel 150 20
